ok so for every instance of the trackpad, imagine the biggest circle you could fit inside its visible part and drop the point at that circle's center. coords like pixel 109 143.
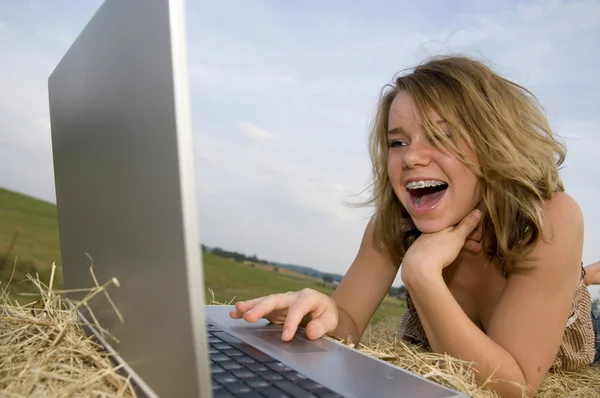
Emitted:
pixel 299 344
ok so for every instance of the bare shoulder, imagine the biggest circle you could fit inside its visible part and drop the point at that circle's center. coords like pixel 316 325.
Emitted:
pixel 562 212
pixel 560 246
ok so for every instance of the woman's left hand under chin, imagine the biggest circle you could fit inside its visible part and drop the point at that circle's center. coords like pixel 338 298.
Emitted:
pixel 432 252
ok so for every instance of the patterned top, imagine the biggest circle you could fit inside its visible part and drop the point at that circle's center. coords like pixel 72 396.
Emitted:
pixel 577 348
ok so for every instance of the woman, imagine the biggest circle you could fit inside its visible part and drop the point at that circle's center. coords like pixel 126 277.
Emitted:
pixel 469 206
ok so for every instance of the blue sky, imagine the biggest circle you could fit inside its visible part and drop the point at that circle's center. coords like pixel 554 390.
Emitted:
pixel 282 96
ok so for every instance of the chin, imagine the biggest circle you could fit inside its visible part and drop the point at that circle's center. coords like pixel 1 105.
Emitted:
pixel 431 226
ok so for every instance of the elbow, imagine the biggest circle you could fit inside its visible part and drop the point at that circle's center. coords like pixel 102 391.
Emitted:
pixel 516 387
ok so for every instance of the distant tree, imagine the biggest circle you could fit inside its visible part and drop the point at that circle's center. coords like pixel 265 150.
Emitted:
pixel 327 278
pixel 402 292
pixel 275 269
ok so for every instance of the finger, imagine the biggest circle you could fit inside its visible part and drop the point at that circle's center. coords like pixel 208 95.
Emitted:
pixel 305 304
pixel 243 306
pixel 269 304
pixel 472 246
pixel 236 314
pixel 321 325
pixel 476 235
pixel 469 223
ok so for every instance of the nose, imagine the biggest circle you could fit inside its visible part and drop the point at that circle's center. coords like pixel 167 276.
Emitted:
pixel 417 154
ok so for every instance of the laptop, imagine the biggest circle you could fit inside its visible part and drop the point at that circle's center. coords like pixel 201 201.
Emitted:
pixel 125 189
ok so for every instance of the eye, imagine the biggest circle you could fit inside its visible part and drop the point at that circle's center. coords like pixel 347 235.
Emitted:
pixel 396 143
pixel 437 138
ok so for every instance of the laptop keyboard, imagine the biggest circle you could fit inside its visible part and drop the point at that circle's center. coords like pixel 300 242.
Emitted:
pixel 240 370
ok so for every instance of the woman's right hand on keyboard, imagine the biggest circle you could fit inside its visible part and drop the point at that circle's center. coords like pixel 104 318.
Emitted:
pixel 290 309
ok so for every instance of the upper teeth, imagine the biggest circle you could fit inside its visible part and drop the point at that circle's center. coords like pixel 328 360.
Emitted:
pixel 424 184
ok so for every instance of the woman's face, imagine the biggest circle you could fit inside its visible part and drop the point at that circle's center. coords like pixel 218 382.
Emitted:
pixel 435 188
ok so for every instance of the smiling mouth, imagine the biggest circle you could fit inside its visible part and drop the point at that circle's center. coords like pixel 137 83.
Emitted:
pixel 426 194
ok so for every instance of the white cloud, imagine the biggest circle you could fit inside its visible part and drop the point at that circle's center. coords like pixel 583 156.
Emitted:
pixel 304 82
pixel 256 133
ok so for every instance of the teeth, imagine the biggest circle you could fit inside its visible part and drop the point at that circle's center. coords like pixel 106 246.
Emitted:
pixel 424 184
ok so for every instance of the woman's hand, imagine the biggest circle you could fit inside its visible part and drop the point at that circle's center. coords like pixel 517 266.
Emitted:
pixel 431 253
pixel 289 309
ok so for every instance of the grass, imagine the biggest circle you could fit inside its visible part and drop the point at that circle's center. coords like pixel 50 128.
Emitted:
pixel 229 279
pixel 37 226
pixel 32 226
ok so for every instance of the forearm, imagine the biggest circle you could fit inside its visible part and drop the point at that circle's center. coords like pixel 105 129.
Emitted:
pixel 346 329
pixel 450 331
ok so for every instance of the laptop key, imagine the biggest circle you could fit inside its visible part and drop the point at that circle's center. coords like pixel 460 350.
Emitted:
pixel 243 374
pixel 278 367
pixel 216 386
pixel 230 365
pixel 293 389
pixel 221 346
pixel 271 376
pixel 244 359
pixel 223 393
pixel 328 394
pixel 272 392
pixel 245 348
pixel 232 352
pixel 293 376
pixel 214 340
pixel 214 369
pixel 257 367
pixel 253 394
pixel 310 385
pixel 257 383
pixel 225 378
pixel 219 357
pixel 238 388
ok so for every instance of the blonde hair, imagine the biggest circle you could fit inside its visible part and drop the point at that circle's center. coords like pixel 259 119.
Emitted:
pixel 518 156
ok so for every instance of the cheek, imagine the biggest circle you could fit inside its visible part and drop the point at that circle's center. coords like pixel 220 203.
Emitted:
pixel 470 188
pixel 394 167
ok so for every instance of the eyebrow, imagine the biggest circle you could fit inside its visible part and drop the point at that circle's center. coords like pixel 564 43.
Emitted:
pixel 396 130
pixel 400 130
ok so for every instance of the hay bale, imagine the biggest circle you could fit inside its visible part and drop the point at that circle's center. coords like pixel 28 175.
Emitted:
pixel 382 341
pixel 45 352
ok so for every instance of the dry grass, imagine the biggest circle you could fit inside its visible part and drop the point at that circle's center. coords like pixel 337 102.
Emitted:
pixel 44 352
pixel 382 341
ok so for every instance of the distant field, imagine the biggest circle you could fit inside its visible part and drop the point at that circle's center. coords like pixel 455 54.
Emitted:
pixel 36 245
pixel 229 279
pixel 33 225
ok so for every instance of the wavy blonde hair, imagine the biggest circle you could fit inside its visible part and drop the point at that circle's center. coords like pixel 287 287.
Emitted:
pixel 518 156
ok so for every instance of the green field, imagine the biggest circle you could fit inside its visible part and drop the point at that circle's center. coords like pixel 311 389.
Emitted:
pixel 229 279
pixel 32 226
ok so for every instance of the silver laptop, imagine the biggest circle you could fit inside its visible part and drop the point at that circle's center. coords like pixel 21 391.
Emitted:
pixel 124 174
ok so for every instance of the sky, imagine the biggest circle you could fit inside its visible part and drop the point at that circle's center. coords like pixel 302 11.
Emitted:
pixel 283 94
